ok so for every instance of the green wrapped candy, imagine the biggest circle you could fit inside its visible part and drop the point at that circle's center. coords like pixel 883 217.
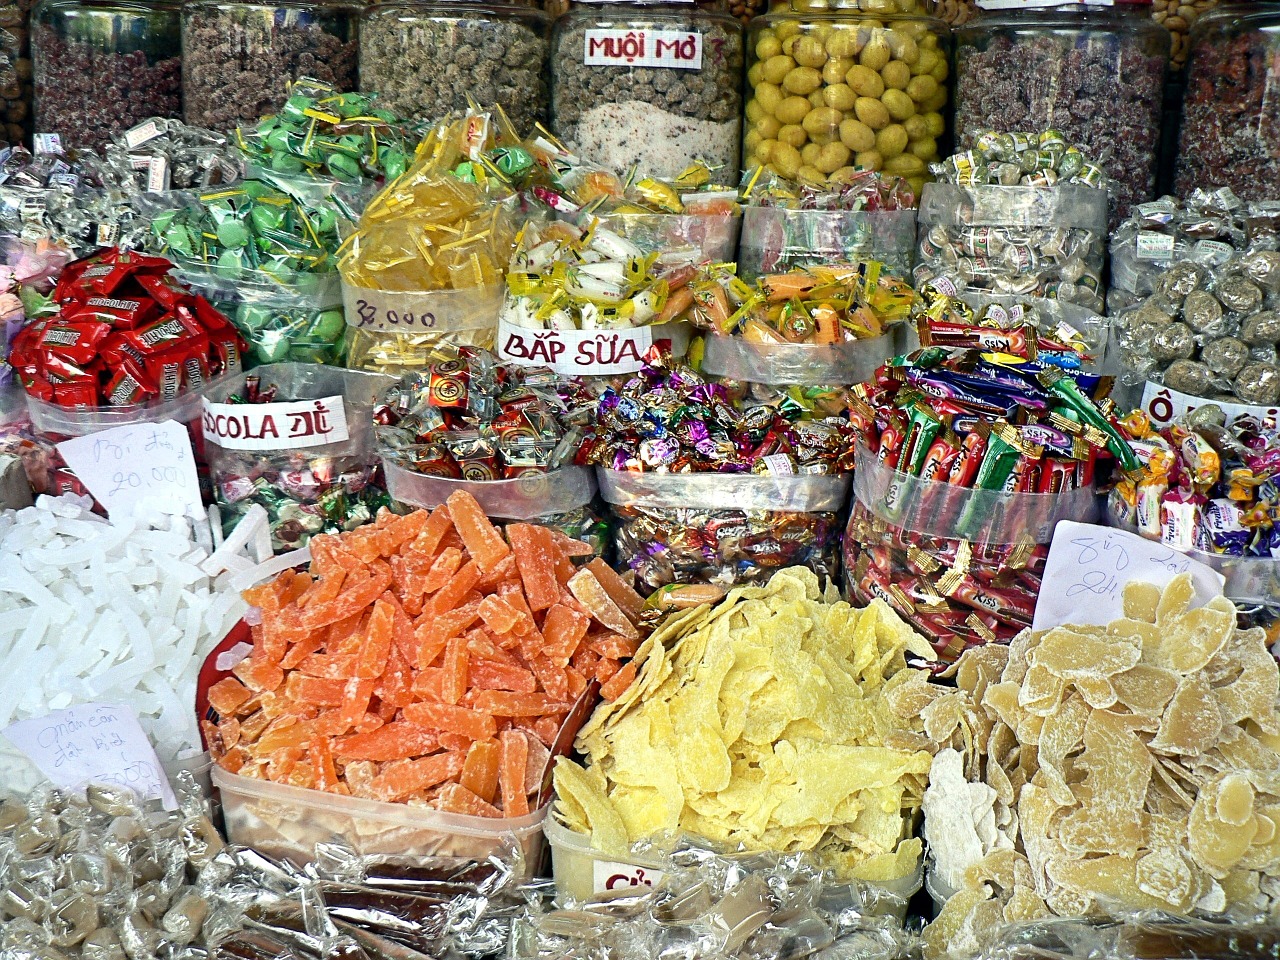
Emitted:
pixel 178 239
pixel 266 217
pixel 394 163
pixel 231 264
pixel 294 108
pixel 328 325
pixel 272 346
pixel 233 234
pixel 251 318
pixel 343 166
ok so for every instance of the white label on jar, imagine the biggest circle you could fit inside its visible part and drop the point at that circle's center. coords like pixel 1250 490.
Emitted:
pixel 157 174
pixel 681 49
pixel 1155 246
pixel 575 352
pixel 1164 405
pixel 609 875
pixel 276 426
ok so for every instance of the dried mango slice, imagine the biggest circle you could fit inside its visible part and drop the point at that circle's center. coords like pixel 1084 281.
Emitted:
pixel 588 591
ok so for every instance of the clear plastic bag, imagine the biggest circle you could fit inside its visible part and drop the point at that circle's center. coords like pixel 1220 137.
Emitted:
pixel 1032 241
pixel 714 237
pixel 397 331
pixel 806 364
pixel 723 528
pixel 777 239
pixel 932 549
pixel 307 457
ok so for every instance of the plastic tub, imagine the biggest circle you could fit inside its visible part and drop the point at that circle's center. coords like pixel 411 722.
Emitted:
pixel 80 422
pixel 287 822
pixel 527 497
pixel 581 871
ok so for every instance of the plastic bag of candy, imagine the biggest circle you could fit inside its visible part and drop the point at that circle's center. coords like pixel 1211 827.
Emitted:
pixel 298 440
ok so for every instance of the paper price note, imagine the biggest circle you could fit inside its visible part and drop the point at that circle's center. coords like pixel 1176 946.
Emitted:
pixel 94 743
pixel 124 466
pixel 1088 567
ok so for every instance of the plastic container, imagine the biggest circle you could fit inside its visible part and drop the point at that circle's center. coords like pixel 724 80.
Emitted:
pixel 16 73
pixel 1229 135
pixel 526 497
pixel 722 528
pixel 654 86
pixel 714 237
pixel 287 822
pixel 424 60
pixel 777 239
pixel 238 58
pixel 834 85
pixel 805 364
pixel 101 68
pixel 1093 72
pixel 395 332
pixel 581 871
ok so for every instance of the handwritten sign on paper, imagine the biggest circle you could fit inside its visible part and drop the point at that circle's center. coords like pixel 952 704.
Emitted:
pixel 124 466
pixel 94 743
pixel 1088 567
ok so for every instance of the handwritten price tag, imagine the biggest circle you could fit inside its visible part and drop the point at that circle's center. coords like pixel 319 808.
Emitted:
pixel 124 466
pixel 440 311
pixel 1088 567
pixel 94 743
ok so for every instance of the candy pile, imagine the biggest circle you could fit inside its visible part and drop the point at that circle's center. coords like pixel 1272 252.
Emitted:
pixel 99 876
pixel 1020 213
pixel 937 529
pixel 474 418
pixel 786 225
pixel 161 154
pixel 763 711
pixel 424 659
pixel 126 333
pixel 1103 769
pixel 1209 330
pixel 325 134
pixel 723 906
pixel 120 612
pixel 308 459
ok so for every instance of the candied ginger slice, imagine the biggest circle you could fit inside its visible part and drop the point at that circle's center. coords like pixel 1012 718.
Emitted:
pixel 1071 654
pixel 483 541
pixel 1176 599
pixel 1192 721
pixel 511 774
pixel 1118 769
pixel 587 590
pixel 1145 689
pixel 1141 600
pixel 480 772
pixel 1194 639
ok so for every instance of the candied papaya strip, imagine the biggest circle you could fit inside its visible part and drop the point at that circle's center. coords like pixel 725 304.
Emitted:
pixel 229 731
pixel 316 690
pixel 577 682
pixel 392 741
pixel 328 555
pixel 258 675
pixel 513 594
pixel 588 591
pixel 453 594
pixel 536 565
pixel 329 666
pixel 483 541
pixel 481 646
pixel 502 616
pixel 324 775
pixel 400 778
pixel 619 591
pixel 434 633
pixel 495 675
pixel 476 724
pixel 605 668
pixel 569 546
pixel 426 685
pixel 284 733
pixel 325 588
pixel 480 772
pixel 455 798
pixel 499 703
pixel 511 773
pixel 455 741
pixel 427 542
pixel 442 570
pixel 504 572
pixel 453 684
pixel 613 646
pixel 400 530
pixel 552 678
pixel 372 658
pixel 355 701
pixel 233 760
pixel 562 631
pixel 536 766
pixel 396 683
pixel 228 694
pixel 616 685
pixel 403 637
pixel 369 723
pixel 302 649
pixel 349 601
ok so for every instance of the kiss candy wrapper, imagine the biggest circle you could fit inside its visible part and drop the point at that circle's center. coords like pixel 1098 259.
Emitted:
pixel 298 440
pixel 960 565
pixel 1019 214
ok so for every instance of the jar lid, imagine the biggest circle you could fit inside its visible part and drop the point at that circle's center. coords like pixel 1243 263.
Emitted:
pixel 869 8
pixel 1057 4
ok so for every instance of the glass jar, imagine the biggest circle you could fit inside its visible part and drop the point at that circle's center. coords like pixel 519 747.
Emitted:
pixel 238 58
pixel 840 84
pixel 651 86
pixel 1178 17
pixel 100 68
pixel 426 59
pixel 15 71
pixel 1095 74
pixel 1230 134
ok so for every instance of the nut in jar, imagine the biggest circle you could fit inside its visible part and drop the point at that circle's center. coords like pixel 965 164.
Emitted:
pixel 836 90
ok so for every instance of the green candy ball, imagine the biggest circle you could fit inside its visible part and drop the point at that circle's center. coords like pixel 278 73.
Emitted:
pixel 394 163
pixel 329 326
pixel 324 219
pixel 266 217
pixel 343 166
pixel 272 347
pixel 286 163
pixel 252 318
pixel 233 234
pixel 230 264
pixel 293 108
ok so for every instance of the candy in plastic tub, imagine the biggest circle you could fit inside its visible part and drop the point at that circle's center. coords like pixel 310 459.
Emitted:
pixel 296 439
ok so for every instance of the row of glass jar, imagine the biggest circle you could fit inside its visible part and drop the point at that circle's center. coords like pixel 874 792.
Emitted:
pixel 832 85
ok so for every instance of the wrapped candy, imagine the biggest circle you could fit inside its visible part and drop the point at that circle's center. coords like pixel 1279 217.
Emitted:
pixel 971 450
pixel 1020 213
pixel 822 325
pixel 1210 329
pixel 709 489
pixel 425 264
pixel 296 439
pixel 507 434
pixel 263 252
pixel 786 225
